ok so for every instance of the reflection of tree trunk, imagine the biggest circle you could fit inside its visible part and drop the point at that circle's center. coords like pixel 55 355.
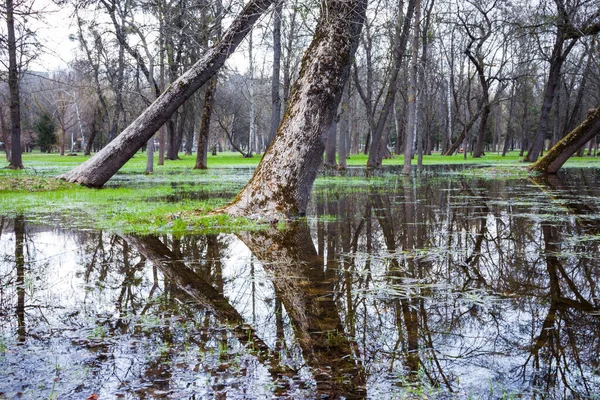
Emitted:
pixel 301 283
pixel 20 266
pixel 213 253
pixel 559 316
pixel 406 308
pixel 205 295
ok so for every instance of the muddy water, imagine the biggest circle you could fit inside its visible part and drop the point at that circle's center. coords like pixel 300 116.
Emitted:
pixel 438 286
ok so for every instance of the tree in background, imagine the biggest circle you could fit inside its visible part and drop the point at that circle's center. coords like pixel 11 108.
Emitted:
pixel 46 131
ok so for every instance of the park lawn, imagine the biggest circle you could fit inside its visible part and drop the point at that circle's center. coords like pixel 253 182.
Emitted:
pixel 45 164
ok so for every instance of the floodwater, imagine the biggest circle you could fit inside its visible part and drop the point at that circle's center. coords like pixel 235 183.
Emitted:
pixel 435 286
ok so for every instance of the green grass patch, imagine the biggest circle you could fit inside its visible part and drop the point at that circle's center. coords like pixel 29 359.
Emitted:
pixel 162 208
pixel 178 199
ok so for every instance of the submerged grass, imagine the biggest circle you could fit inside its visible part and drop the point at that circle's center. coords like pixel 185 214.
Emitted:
pixel 159 208
pixel 177 199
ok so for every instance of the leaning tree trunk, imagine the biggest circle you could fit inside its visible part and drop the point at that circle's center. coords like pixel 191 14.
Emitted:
pixel 102 166
pixel 283 180
pixel 567 146
pixel 16 160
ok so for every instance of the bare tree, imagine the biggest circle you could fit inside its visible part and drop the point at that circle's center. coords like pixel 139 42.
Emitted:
pixel 103 165
pixel 283 180
pixel 16 161
pixel 275 95
pixel 573 21
pixel 412 92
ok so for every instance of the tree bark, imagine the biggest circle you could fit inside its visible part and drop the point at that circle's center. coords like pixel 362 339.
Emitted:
pixel 16 161
pixel 104 164
pixel 567 146
pixel 283 180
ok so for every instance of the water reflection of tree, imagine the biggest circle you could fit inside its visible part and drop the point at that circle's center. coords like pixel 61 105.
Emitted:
pixel 19 227
pixel 306 289
pixel 470 267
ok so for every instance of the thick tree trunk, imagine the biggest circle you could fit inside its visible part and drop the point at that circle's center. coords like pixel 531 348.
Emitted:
pixel 304 288
pixel 16 161
pixel 172 147
pixel 567 146
pixel 275 97
pixel 479 143
pixel 102 166
pixel 283 180
pixel 204 132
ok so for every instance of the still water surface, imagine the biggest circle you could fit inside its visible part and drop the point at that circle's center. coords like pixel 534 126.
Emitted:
pixel 438 285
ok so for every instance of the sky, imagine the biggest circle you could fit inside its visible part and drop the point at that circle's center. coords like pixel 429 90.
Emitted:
pixel 53 33
pixel 57 24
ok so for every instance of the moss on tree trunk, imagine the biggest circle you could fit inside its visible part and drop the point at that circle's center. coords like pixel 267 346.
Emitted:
pixel 567 146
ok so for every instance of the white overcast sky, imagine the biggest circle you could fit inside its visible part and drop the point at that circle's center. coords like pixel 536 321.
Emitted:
pixel 57 24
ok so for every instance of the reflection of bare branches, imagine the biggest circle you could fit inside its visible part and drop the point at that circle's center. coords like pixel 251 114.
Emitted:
pixel 559 311
pixel 205 295
pixel 301 282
